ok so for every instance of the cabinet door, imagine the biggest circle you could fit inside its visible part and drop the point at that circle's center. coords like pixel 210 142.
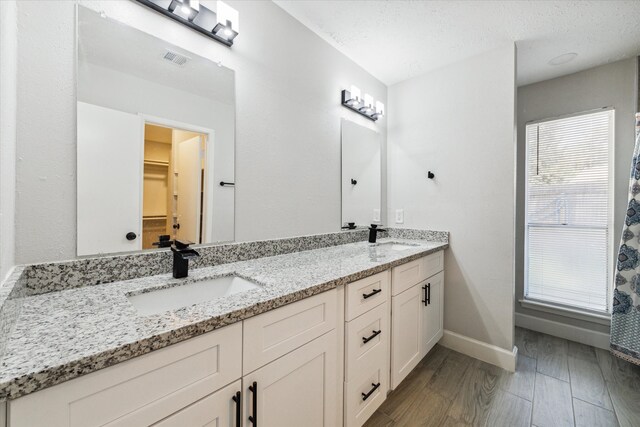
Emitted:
pixel 220 409
pixel 432 313
pixel 298 389
pixel 406 333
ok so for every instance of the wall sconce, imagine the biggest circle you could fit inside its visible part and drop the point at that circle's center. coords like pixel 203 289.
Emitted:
pixel 352 100
pixel 218 21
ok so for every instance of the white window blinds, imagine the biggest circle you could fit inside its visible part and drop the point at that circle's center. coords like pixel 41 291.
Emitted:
pixel 568 220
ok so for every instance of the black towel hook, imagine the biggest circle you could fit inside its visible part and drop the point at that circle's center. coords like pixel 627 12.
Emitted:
pixel 430 175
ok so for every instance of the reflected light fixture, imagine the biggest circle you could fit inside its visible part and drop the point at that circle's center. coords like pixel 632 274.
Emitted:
pixel 352 100
pixel 214 19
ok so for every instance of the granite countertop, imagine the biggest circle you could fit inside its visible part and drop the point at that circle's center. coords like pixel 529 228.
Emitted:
pixel 61 335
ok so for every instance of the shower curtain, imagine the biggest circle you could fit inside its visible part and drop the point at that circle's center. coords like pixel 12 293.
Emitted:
pixel 625 317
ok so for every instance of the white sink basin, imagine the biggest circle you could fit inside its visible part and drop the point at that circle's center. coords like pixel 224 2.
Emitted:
pixel 162 300
pixel 395 246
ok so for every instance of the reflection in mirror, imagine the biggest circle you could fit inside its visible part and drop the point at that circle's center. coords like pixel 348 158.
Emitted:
pixel 361 176
pixel 156 129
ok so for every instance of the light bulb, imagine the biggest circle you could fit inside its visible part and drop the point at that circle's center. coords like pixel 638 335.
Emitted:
pixel 355 94
pixel 227 32
pixel 186 9
pixel 368 101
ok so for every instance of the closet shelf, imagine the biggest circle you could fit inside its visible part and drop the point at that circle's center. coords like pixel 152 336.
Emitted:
pixel 156 162
pixel 153 217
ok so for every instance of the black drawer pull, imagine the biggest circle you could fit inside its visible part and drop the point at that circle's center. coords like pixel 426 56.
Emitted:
pixel 238 399
pixel 254 391
pixel 372 293
pixel 372 336
pixel 428 293
pixel 365 396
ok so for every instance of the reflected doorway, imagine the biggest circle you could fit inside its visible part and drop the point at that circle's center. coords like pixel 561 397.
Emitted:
pixel 174 186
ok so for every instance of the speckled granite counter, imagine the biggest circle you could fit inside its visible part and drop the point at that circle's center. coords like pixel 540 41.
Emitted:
pixel 60 335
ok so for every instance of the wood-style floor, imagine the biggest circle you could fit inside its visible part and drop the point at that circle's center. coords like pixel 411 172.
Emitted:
pixel 556 383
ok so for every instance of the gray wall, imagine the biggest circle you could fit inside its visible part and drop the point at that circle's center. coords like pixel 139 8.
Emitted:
pixel 288 112
pixel 612 85
pixel 8 98
pixel 459 122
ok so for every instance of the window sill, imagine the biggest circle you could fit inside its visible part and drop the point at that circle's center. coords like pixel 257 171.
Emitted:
pixel 603 319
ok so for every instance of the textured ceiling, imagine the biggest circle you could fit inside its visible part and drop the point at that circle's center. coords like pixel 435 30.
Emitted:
pixel 397 40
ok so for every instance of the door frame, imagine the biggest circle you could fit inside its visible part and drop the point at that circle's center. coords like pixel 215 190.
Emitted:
pixel 207 231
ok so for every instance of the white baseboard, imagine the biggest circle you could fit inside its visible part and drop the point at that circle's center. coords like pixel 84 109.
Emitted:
pixel 492 354
pixel 562 330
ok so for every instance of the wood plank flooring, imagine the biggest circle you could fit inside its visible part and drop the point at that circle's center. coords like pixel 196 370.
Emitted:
pixel 556 383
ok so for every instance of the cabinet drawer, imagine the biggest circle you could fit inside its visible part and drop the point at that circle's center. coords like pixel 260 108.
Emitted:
pixel 363 357
pixel 365 294
pixel 277 332
pixel 217 409
pixel 140 391
pixel 361 400
pixel 406 275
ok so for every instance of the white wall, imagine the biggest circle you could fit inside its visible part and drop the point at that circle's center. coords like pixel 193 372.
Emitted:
pixel 611 85
pixel 288 84
pixel 8 70
pixel 459 122
pixel 124 92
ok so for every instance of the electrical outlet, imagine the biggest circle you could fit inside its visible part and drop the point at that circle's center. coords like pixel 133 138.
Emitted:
pixel 376 215
pixel 399 216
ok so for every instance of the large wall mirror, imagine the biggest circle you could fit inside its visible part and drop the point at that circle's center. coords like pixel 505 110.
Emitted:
pixel 156 129
pixel 361 175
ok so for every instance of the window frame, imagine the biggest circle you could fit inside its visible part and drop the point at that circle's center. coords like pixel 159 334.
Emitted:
pixel 565 309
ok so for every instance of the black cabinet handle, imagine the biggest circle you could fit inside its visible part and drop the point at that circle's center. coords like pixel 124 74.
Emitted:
pixel 424 301
pixel 428 293
pixel 238 399
pixel 131 235
pixel 372 336
pixel 372 293
pixel 365 396
pixel 254 391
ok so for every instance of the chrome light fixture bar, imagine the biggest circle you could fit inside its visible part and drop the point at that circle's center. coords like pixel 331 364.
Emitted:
pixel 353 100
pixel 214 19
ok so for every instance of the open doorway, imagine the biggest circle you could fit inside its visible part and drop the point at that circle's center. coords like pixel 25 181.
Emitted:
pixel 174 185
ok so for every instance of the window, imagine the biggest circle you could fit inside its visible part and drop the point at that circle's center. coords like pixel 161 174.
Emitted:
pixel 568 211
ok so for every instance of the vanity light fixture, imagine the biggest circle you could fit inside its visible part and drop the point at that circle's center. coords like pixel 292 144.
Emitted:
pixel 351 99
pixel 214 19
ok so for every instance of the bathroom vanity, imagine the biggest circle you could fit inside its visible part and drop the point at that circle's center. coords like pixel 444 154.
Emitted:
pixel 320 340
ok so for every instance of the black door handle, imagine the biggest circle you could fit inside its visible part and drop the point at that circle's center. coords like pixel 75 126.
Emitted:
pixel 238 399
pixel 428 293
pixel 176 226
pixel 372 293
pixel 253 388
pixel 372 336
pixel 131 235
pixel 365 396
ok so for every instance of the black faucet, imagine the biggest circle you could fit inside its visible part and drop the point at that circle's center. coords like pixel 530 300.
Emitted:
pixel 164 241
pixel 373 232
pixel 182 253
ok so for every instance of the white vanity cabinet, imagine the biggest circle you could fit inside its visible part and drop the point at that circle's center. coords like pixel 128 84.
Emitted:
pixel 417 312
pixel 326 360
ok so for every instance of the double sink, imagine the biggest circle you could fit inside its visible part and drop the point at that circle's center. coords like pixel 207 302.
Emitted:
pixel 161 300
